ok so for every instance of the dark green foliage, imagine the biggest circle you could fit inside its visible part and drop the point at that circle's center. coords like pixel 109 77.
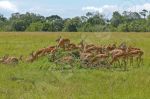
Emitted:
pixel 92 22
pixel 123 27
pixel 72 25
pixel 116 19
pixel 35 27
pixel 19 25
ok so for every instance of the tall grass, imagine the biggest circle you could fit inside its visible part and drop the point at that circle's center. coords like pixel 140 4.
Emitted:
pixel 38 81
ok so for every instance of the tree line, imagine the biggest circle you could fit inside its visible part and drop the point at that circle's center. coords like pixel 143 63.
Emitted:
pixel 91 22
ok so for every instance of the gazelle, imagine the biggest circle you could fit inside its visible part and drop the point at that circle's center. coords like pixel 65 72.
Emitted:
pixel 47 50
pixel 98 59
pixel 111 47
pixel 137 53
pixel 3 58
pixel 133 48
pixel 10 60
pixel 32 57
pixel 83 47
pixel 119 54
pixel 86 58
pixel 72 46
pixel 44 51
pixel 63 43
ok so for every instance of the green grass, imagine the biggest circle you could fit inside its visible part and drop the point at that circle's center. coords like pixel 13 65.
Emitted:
pixel 37 80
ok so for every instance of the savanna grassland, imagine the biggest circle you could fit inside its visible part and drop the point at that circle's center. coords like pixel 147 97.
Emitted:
pixel 38 81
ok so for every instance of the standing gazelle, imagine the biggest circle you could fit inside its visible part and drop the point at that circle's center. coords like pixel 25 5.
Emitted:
pixel 63 43
pixel 135 53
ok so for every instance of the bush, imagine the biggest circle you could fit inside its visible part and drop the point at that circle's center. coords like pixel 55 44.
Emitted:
pixel 35 27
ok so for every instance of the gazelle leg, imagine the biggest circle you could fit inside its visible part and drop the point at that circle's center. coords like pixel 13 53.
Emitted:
pixel 140 61
pixel 125 65
pixel 137 60
pixel 131 61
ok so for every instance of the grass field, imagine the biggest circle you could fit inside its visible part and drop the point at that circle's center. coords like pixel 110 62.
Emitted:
pixel 37 80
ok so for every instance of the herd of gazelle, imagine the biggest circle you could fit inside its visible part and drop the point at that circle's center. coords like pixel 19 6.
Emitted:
pixel 90 54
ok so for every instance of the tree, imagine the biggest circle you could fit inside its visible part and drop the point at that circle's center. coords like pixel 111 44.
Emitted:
pixel 89 14
pixel 86 27
pixel 91 22
pixel 123 27
pixel 15 16
pixel 35 27
pixel 84 19
pixel 53 25
pixel 19 25
pixel 45 27
pixel 2 18
pixel 144 13
pixel 137 26
pixel 130 16
pixel 97 19
pixel 72 25
pixel 116 19
pixel 3 21
pixel 53 17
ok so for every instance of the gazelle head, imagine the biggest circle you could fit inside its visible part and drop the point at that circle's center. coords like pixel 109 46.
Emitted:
pixel 123 45
pixel 31 58
pixel 4 58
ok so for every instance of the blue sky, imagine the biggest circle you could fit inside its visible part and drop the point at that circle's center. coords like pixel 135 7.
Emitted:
pixel 71 8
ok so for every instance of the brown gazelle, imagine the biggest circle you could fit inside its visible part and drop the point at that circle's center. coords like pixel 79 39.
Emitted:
pixel 32 57
pixel 62 43
pixel 86 58
pixel 98 59
pixel 10 60
pixel 117 55
pixel 71 46
pixel 135 53
pixel 88 54
pixel 45 51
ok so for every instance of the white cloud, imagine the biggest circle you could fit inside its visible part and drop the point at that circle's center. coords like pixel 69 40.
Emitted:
pixel 140 7
pixel 45 10
pixel 108 9
pixel 103 9
pixel 7 5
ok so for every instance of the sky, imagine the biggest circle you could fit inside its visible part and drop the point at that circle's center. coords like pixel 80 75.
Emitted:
pixel 71 8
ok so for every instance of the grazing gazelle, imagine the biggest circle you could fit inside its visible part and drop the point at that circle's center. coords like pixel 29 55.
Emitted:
pixel 99 58
pixel 10 60
pixel 72 46
pixel 45 51
pixel 32 57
